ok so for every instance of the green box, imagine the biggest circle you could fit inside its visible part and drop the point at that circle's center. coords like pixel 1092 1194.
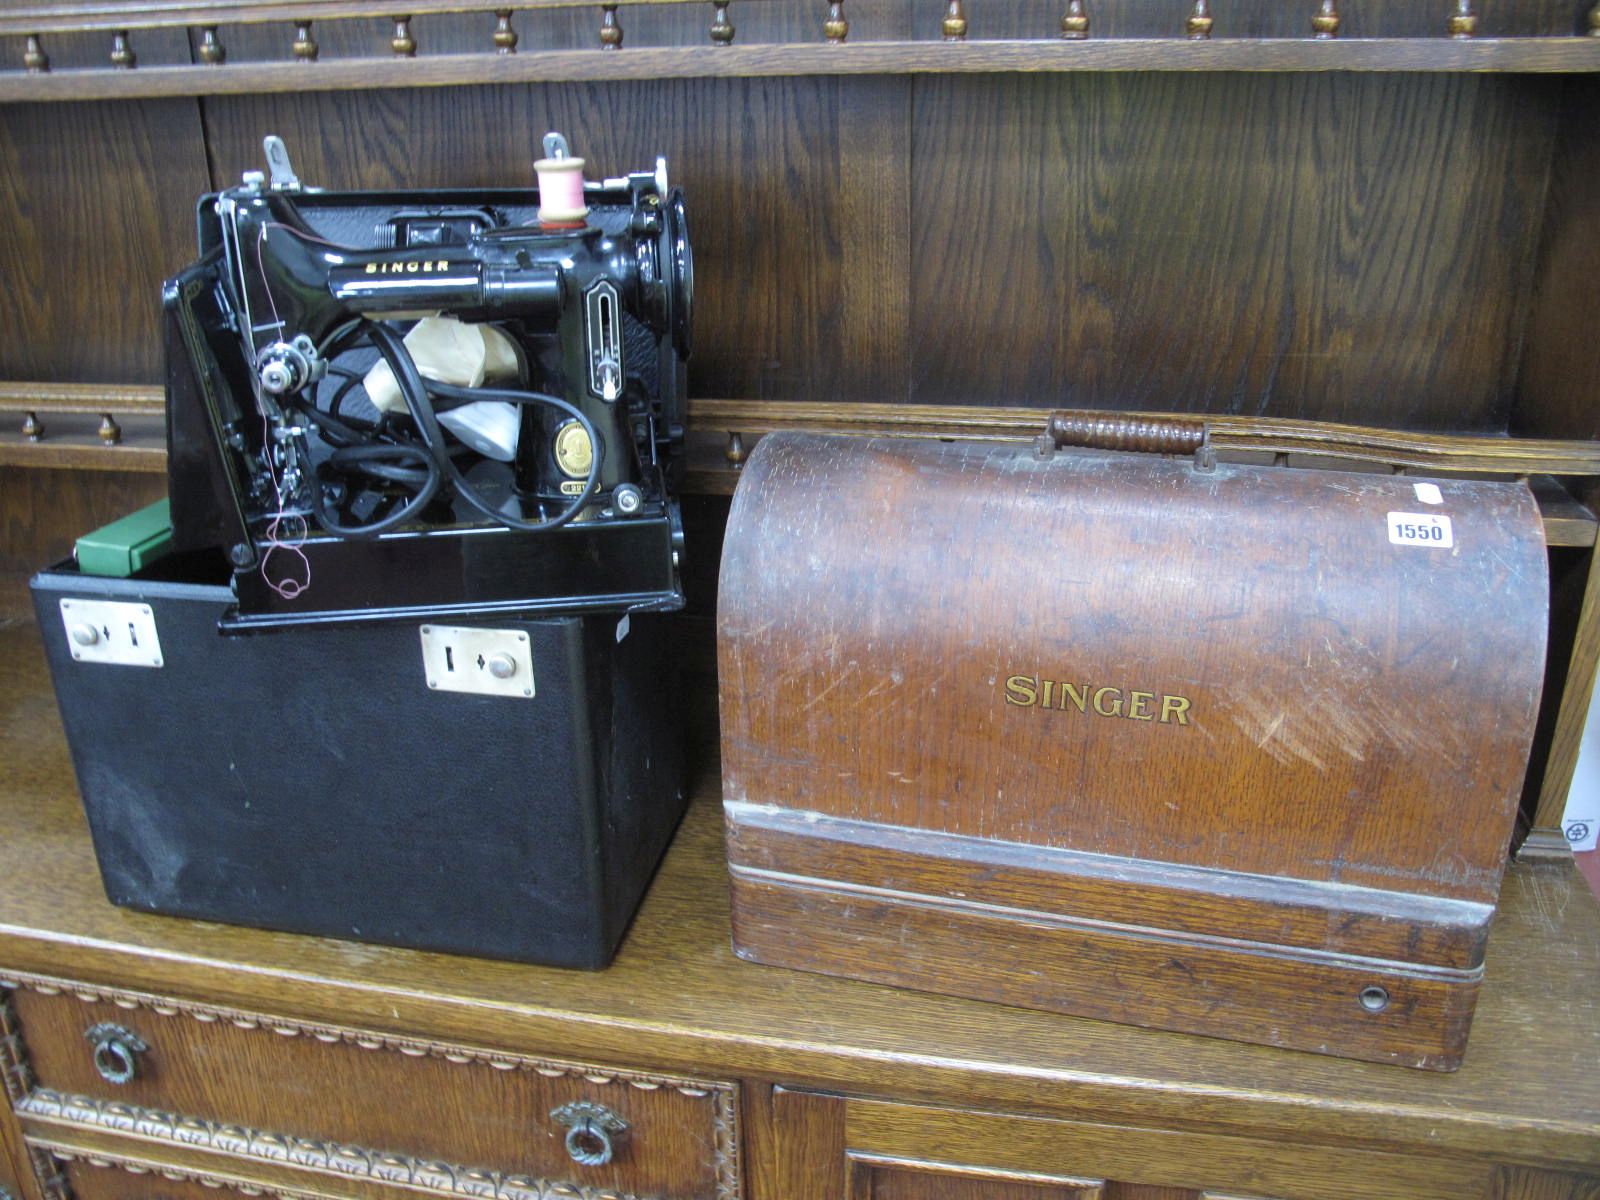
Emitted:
pixel 123 547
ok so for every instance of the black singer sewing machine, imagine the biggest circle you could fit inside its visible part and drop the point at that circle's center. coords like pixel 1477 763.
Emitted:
pixel 458 407
pixel 435 402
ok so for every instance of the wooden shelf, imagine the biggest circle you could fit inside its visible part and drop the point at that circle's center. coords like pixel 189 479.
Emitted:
pixel 70 415
pixel 71 17
pixel 1522 55
pixel 74 444
pixel 677 999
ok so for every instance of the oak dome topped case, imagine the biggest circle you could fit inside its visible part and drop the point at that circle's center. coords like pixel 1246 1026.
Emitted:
pixel 1233 751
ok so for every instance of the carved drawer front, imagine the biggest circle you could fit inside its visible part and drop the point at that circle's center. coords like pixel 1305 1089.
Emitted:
pixel 269 1097
pixel 101 1178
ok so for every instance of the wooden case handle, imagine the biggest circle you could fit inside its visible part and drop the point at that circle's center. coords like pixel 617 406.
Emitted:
pixel 1108 431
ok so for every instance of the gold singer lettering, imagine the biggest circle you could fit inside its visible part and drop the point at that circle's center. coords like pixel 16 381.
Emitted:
pixel 1029 691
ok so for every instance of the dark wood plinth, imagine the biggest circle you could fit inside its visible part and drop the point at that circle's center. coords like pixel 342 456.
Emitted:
pixel 836 1082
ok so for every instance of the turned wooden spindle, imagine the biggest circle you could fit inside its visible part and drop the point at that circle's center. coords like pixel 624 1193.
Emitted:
pixel 505 37
pixel 212 52
pixel 1110 431
pixel 1594 21
pixel 610 28
pixel 32 427
pixel 402 43
pixel 955 22
pixel 1075 21
pixel 34 57
pixel 1199 24
pixel 1326 22
pixel 1464 21
pixel 836 28
pixel 721 27
pixel 122 52
pixel 734 451
pixel 110 431
pixel 305 46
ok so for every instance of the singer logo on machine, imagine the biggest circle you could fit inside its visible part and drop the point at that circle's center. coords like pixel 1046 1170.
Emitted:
pixel 1420 529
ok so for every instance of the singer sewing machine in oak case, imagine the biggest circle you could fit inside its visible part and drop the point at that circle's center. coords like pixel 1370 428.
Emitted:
pixel 1221 748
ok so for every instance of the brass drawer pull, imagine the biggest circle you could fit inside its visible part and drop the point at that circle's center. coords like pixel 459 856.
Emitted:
pixel 116 1052
pixel 590 1130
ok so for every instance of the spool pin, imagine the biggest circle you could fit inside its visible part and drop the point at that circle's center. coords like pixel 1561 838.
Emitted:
pixel 561 201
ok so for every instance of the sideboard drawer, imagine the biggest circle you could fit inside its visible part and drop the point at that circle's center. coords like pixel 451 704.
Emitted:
pixel 103 1179
pixel 356 1104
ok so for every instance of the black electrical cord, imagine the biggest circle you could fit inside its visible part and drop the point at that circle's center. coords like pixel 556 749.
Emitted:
pixel 349 385
pixel 355 450
pixel 414 389
pixel 335 430
pixel 371 457
pixel 376 460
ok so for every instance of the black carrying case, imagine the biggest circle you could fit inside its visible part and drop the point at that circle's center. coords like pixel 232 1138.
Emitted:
pixel 308 779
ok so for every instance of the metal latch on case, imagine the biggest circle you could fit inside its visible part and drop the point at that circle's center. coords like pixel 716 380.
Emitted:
pixel 117 632
pixel 485 662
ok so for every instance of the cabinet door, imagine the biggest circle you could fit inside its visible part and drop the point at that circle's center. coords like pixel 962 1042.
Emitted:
pixel 846 1148
pixel 8 1176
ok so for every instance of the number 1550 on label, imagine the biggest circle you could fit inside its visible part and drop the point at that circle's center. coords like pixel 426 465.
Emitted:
pixel 1420 529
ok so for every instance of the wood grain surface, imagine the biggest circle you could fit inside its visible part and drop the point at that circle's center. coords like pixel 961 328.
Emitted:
pixel 911 1151
pixel 1349 445
pixel 677 997
pixel 42 512
pixel 784 312
pixel 8 1170
pixel 1186 1160
pixel 1530 55
pixel 1218 243
pixel 96 202
pixel 106 1179
pixel 451 1104
pixel 1350 707
pixel 1227 243
pixel 1556 390
pixel 922 1181
pixel 995 781
pixel 1131 18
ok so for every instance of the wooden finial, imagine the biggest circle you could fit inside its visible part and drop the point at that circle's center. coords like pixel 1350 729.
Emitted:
pixel 1075 21
pixel 1326 22
pixel 1199 27
pixel 305 46
pixel 955 22
pixel 505 37
pixel 32 428
pixel 721 27
pixel 1464 21
pixel 402 43
pixel 110 431
pixel 836 28
pixel 610 29
pixel 212 52
pixel 121 52
pixel 34 57
pixel 734 451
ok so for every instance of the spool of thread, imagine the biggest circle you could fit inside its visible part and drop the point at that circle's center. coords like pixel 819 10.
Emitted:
pixel 561 191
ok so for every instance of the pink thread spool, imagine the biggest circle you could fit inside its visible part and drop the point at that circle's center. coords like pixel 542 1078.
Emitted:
pixel 560 185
